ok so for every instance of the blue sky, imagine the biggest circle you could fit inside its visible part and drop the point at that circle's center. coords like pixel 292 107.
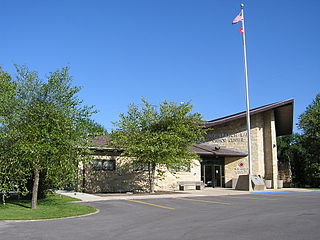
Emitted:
pixel 178 50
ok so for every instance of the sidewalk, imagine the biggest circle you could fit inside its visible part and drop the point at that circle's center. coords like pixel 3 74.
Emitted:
pixel 85 197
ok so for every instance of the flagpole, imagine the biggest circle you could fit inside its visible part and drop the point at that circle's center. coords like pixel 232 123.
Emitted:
pixel 247 96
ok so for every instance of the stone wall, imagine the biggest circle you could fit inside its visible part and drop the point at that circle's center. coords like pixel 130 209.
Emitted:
pixel 125 179
pixel 270 148
pixel 169 180
pixel 234 166
pixel 233 135
pixel 285 173
pixel 122 179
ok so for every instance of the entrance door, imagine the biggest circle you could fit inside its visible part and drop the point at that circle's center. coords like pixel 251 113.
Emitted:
pixel 208 175
pixel 217 176
pixel 212 171
pixel 212 175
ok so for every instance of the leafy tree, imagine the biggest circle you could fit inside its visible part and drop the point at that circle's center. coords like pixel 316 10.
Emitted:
pixel 47 130
pixel 158 138
pixel 292 152
pixel 95 129
pixel 12 177
pixel 302 150
pixel 309 123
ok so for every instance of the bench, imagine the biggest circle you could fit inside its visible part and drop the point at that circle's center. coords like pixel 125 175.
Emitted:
pixel 183 185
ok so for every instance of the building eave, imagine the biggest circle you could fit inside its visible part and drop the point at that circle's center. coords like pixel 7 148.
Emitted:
pixel 283 116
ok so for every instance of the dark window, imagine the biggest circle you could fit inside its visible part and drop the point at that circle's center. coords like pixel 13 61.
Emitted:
pixel 107 165
pixel 180 168
pixel 140 167
pixel 97 164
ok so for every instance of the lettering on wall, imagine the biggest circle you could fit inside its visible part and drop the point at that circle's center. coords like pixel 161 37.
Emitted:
pixel 241 169
pixel 227 137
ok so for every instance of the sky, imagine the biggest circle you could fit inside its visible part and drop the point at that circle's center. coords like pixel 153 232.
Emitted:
pixel 174 50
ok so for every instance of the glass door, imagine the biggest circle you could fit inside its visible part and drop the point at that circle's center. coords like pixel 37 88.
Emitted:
pixel 217 176
pixel 208 175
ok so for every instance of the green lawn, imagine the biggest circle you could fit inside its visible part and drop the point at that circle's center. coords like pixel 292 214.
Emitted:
pixel 54 206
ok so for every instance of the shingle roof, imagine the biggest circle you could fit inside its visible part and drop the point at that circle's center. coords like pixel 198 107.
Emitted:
pixel 100 141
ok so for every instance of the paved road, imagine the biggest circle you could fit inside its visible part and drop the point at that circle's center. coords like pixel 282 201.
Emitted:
pixel 261 217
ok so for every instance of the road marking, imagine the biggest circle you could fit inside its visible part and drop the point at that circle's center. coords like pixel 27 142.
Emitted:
pixel 270 192
pixel 254 198
pixel 198 200
pixel 154 205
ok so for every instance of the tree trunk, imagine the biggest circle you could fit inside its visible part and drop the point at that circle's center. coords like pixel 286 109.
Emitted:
pixel 152 176
pixel 35 188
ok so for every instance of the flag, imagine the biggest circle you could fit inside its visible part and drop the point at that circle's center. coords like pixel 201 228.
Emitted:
pixel 238 18
pixel 241 30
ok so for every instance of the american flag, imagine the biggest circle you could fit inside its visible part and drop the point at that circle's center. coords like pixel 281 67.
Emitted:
pixel 238 18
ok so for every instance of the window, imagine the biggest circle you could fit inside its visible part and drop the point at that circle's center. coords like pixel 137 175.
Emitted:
pixel 107 165
pixel 138 167
pixel 180 168
pixel 97 164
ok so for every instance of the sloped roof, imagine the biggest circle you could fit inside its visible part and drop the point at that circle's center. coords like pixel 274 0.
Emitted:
pixel 283 116
pixel 100 141
pixel 214 150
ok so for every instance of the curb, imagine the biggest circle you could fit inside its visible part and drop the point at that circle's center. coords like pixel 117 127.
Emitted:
pixel 144 197
pixel 51 219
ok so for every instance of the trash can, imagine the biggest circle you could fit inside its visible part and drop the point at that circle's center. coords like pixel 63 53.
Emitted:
pixel 268 184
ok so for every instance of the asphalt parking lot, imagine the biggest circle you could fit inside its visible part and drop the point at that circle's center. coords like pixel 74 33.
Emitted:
pixel 288 215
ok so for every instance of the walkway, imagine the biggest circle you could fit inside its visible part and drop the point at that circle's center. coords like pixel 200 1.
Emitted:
pixel 85 197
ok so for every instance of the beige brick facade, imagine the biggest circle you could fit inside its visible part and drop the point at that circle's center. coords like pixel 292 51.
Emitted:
pixel 229 133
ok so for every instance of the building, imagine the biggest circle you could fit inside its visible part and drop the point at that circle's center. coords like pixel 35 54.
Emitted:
pixel 223 155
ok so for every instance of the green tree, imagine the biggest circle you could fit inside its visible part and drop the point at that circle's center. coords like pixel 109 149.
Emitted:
pixel 12 177
pixel 291 151
pixel 309 123
pixel 158 137
pixel 302 150
pixel 47 131
pixel 95 129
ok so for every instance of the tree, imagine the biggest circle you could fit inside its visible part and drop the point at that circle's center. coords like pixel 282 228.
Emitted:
pixel 47 129
pixel 12 177
pixel 291 151
pixel 95 129
pixel 302 150
pixel 158 138
pixel 309 123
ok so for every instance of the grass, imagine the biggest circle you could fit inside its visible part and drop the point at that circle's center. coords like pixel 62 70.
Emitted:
pixel 54 206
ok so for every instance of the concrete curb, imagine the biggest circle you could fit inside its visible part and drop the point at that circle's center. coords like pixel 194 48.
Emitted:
pixel 51 219
pixel 139 197
pixel 85 197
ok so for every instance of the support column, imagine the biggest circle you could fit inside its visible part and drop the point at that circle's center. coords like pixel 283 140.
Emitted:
pixel 270 148
pixel 274 153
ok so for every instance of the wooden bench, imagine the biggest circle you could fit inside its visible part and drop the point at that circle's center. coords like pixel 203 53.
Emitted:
pixel 183 185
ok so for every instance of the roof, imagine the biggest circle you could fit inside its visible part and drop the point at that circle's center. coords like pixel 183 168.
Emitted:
pixel 283 116
pixel 100 141
pixel 204 149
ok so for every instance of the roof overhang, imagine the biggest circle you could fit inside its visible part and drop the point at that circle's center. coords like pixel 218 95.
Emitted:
pixel 203 149
pixel 283 112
